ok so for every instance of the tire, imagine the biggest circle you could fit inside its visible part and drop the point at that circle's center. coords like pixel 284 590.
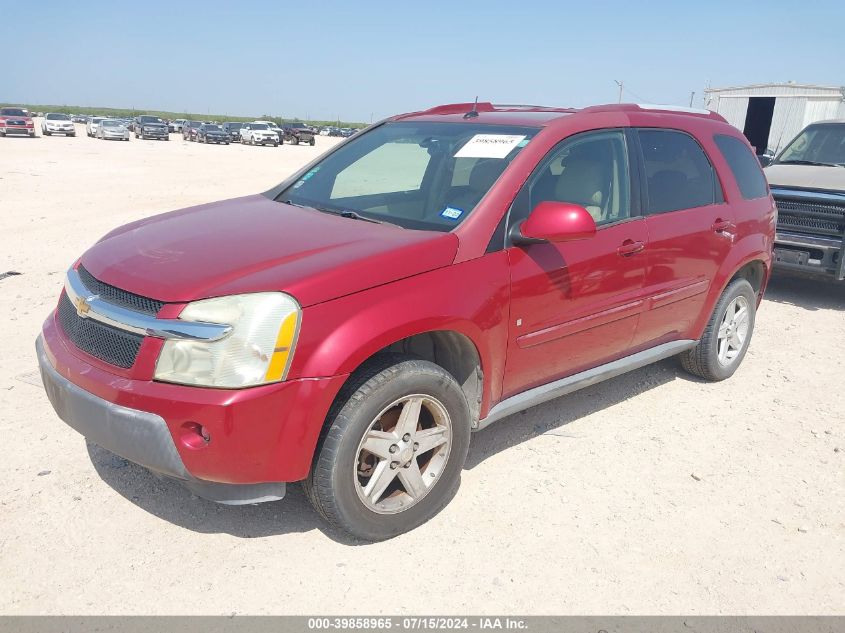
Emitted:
pixel 46 133
pixel 296 140
pixel 312 142
pixel 705 360
pixel 380 391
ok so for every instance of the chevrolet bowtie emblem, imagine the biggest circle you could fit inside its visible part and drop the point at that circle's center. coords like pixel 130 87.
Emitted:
pixel 82 305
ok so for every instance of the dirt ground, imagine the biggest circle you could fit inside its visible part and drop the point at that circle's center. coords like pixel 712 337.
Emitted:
pixel 651 493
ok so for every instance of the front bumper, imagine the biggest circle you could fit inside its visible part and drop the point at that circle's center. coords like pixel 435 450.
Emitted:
pixel 820 256
pixel 260 437
pixel 18 130
pixel 154 133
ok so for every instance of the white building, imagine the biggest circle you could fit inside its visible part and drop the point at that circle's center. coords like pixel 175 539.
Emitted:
pixel 770 115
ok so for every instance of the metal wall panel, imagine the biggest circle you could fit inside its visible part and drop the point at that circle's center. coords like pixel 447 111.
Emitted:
pixel 787 121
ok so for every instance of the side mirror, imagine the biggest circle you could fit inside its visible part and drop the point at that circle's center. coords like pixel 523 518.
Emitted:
pixel 555 222
pixel 765 160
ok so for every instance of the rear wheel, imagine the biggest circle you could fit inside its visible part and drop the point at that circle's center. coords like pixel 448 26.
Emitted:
pixel 391 456
pixel 311 142
pixel 726 336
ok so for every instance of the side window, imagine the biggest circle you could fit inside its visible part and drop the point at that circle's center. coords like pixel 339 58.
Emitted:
pixel 678 173
pixel 744 166
pixel 590 170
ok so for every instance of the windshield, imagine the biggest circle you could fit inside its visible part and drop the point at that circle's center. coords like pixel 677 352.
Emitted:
pixel 212 128
pixel 817 145
pixel 150 119
pixel 234 126
pixel 13 112
pixel 258 126
pixel 57 117
pixel 96 119
pixel 418 175
pixel 111 123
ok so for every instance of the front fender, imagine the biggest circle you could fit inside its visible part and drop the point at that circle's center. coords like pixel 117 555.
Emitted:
pixel 471 298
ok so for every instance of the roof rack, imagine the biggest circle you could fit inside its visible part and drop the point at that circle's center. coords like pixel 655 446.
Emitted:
pixel 653 107
pixel 486 106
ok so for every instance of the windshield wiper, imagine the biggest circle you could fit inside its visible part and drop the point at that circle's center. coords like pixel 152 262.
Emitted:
pixel 352 215
pixel 809 162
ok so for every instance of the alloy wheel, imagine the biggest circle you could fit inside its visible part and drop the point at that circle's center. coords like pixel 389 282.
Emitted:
pixel 403 454
pixel 733 331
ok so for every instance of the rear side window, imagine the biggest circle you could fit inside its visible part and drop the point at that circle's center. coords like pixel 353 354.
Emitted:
pixel 678 173
pixel 744 166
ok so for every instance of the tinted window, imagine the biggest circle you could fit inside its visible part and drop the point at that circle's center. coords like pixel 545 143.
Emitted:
pixel 590 170
pixel 744 166
pixel 678 173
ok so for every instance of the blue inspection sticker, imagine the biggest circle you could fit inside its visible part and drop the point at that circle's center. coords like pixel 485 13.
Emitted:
pixel 451 213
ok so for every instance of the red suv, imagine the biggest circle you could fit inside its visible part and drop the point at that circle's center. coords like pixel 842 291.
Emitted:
pixel 429 276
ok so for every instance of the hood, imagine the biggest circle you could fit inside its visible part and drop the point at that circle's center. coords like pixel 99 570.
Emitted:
pixel 806 177
pixel 254 244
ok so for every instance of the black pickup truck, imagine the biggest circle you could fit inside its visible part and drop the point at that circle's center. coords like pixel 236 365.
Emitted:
pixel 147 126
pixel 807 180
pixel 297 133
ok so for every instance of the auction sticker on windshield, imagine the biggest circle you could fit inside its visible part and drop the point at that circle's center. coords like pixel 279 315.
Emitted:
pixel 489 146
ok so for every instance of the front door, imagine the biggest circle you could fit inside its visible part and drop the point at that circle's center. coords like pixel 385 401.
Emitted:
pixel 575 305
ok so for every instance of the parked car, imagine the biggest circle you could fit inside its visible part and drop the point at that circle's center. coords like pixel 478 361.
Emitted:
pixel 91 126
pixel 57 123
pixel 233 129
pixel 189 130
pixel 346 132
pixel 297 132
pixel 79 118
pixel 351 327
pixel 275 128
pixel 112 129
pixel 148 126
pixel 210 133
pixel 16 121
pixel 808 184
pixel 259 133
pixel 324 131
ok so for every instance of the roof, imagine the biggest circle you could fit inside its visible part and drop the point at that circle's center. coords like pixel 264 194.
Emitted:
pixel 778 85
pixel 538 116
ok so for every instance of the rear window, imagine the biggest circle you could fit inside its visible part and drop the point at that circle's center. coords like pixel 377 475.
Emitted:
pixel 744 166
pixel 678 172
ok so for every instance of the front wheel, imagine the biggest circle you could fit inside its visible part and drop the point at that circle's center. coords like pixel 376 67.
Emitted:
pixel 726 336
pixel 391 456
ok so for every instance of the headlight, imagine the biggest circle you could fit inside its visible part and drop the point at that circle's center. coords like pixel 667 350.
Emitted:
pixel 258 350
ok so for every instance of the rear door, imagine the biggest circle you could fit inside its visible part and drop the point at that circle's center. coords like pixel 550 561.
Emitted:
pixel 691 230
pixel 575 305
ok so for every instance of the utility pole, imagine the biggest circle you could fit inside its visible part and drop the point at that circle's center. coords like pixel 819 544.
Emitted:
pixel 620 84
pixel 691 97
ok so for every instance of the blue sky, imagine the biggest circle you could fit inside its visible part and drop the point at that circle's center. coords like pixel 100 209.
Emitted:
pixel 357 60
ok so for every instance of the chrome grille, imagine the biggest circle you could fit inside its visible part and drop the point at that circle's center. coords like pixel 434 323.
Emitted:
pixel 113 346
pixel 811 216
pixel 119 297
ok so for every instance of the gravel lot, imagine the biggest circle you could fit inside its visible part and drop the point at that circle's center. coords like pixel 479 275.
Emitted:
pixel 650 493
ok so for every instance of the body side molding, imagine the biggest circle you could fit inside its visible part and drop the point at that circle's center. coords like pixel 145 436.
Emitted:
pixel 552 390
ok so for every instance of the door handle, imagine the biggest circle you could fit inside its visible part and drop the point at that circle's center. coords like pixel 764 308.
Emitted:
pixel 630 247
pixel 723 226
